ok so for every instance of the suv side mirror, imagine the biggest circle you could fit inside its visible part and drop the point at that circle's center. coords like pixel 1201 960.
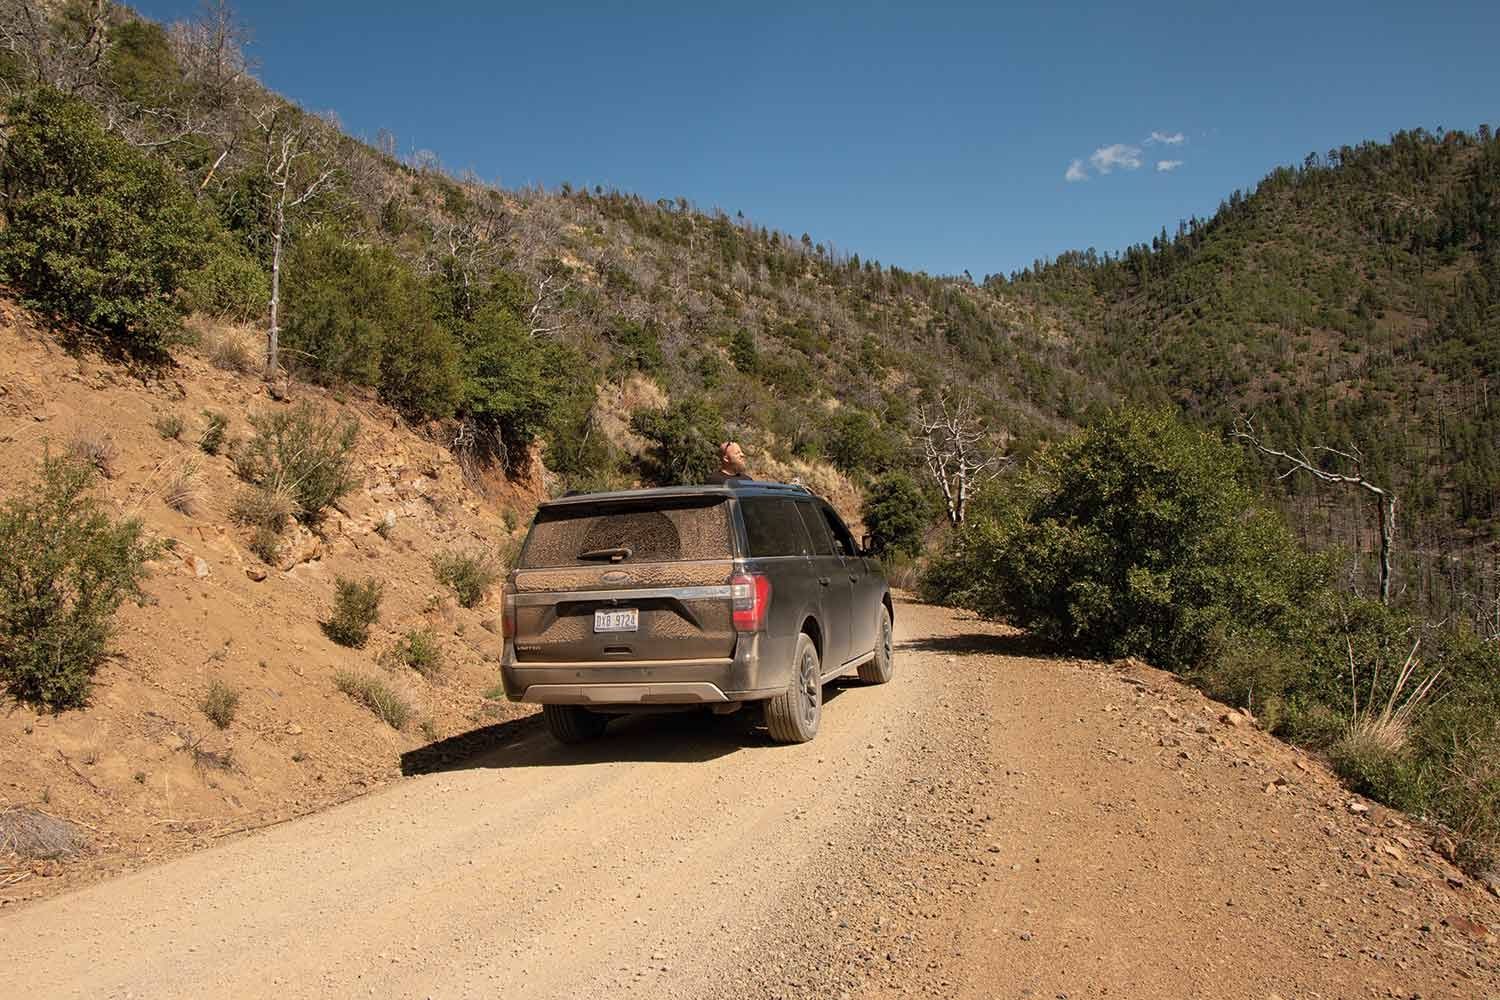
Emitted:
pixel 866 543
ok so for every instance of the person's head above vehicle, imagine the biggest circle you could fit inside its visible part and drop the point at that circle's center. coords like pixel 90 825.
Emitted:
pixel 732 459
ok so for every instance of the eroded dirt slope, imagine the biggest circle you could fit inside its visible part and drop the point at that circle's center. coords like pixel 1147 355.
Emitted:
pixel 142 770
pixel 992 824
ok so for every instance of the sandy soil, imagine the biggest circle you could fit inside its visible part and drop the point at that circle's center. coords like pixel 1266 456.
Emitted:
pixel 991 824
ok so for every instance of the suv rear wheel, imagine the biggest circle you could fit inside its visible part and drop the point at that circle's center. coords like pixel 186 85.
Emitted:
pixel 879 669
pixel 571 724
pixel 793 715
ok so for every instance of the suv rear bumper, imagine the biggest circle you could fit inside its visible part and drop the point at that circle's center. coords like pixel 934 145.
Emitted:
pixel 644 682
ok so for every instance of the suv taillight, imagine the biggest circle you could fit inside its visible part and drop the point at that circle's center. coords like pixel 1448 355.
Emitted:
pixel 751 593
pixel 508 615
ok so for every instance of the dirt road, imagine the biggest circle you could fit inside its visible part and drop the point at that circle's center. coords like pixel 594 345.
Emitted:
pixel 991 824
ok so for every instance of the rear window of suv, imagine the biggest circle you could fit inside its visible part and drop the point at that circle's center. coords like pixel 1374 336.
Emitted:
pixel 662 530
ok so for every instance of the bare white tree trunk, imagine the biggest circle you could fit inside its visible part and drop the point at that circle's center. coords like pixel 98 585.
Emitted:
pixel 287 149
pixel 1299 462
pixel 953 450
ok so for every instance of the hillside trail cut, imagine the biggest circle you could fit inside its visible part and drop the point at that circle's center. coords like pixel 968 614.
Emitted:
pixel 993 823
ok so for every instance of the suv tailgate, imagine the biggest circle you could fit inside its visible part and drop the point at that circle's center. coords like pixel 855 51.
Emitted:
pixel 667 559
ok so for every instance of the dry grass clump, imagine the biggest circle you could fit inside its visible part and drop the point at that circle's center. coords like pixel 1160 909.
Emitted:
pixel 220 703
pixel 97 449
pixel 35 836
pixel 268 506
pixel 1385 730
pixel 183 489
pixel 231 348
pixel 377 696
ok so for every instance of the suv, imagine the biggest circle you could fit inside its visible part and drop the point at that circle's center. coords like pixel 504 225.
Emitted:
pixel 716 596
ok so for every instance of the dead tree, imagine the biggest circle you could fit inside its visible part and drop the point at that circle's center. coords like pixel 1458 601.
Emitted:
pixel 60 49
pixel 1298 461
pixel 953 449
pixel 296 172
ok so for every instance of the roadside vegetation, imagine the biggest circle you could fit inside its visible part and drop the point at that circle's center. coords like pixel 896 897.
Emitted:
pixel 1139 537
pixel 66 566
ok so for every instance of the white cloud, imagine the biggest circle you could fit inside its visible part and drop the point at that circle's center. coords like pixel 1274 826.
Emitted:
pixel 1076 172
pixel 1167 166
pixel 1169 139
pixel 1107 158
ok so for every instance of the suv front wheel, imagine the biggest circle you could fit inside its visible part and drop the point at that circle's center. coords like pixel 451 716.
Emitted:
pixel 793 715
pixel 878 669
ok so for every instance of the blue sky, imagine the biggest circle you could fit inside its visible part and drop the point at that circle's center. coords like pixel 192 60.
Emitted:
pixel 937 137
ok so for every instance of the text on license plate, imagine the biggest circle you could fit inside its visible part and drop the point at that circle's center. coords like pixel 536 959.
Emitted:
pixel 617 620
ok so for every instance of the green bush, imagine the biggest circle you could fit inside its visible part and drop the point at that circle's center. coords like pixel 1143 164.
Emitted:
pixel 469 574
pixel 65 568
pixel 897 515
pixel 356 606
pixel 1134 537
pixel 305 452
pixel 856 443
pixel 169 426
pixel 374 694
pixel 215 427
pixel 228 286
pixel 419 650
pixel 220 703
pixel 95 231
pixel 683 441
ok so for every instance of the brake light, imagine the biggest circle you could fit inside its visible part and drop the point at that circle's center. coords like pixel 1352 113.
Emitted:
pixel 508 615
pixel 751 593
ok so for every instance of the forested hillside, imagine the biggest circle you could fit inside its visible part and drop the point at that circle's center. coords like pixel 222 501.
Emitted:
pixel 502 319
pixel 1350 303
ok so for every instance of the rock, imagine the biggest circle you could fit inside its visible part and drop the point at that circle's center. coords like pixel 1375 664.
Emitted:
pixel 1363 871
pixel 1301 765
pixel 292 729
pixel 256 573
pixel 1270 788
pixel 1471 928
pixel 1444 845
pixel 1234 720
pixel 298 547
pixel 201 568
pixel 490 625
pixel 1358 808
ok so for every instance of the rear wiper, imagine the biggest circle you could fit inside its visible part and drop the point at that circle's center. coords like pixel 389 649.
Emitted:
pixel 617 554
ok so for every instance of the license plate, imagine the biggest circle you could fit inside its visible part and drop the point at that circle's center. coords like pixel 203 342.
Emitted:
pixel 617 620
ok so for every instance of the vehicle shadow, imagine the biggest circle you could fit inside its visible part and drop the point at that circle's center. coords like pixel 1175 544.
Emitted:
pixel 981 643
pixel 673 737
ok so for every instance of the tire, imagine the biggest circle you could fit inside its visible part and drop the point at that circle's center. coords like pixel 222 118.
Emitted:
pixel 880 669
pixel 793 715
pixel 571 724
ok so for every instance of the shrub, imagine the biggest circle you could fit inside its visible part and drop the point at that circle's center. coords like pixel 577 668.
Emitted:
pixel 215 427
pixel 268 507
pixel 303 451
pixel 169 426
pixel 897 515
pixel 97 449
pixel 229 286
pixel 1134 537
pixel 683 441
pixel 95 230
pixel 419 650
pixel 231 348
pixel 356 606
pixel 65 568
pixel 469 574
pixel 857 443
pixel 374 694
pixel 220 703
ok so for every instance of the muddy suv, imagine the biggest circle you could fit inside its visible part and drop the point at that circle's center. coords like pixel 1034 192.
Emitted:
pixel 715 596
